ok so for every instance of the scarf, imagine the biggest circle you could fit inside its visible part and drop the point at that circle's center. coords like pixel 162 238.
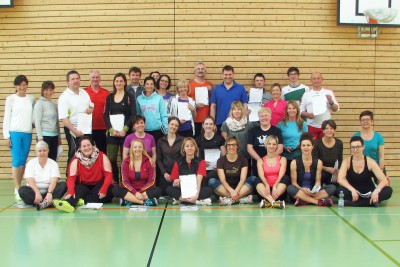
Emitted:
pixel 87 161
pixel 235 125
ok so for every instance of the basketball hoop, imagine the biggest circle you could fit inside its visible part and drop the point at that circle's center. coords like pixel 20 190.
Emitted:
pixel 380 15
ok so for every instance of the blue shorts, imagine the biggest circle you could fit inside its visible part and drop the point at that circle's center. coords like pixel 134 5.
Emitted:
pixel 20 146
pixel 215 183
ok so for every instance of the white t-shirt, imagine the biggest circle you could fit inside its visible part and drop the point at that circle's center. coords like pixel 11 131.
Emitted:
pixel 18 114
pixel 71 104
pixel 41 175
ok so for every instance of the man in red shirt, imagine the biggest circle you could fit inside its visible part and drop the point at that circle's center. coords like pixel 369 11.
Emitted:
pixel 199 80
pixel 98 96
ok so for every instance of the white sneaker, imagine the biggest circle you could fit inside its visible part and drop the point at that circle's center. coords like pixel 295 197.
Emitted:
pixel 246 200
pixel 175 202
pixel 16 195
pixel 204 202
pixel 225 201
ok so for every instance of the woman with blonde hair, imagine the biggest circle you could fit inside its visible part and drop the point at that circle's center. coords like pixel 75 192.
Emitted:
pixel 190 164
pixel 182 106
pixel 138 178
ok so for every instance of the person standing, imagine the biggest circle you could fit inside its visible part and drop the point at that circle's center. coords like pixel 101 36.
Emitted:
pixel 98 97
pixel 294 90
pixel 135 89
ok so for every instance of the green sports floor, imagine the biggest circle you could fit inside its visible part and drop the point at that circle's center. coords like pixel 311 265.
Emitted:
pixel 241 235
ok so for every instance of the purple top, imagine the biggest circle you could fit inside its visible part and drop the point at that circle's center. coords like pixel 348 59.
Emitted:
pixel 148 141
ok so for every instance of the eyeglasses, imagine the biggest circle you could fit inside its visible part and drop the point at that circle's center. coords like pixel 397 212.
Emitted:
pixel 355 147
pixel 365 120
pixel 231 144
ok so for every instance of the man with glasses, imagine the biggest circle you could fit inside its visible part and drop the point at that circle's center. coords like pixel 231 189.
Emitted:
pixel 317 104
pixel 294 90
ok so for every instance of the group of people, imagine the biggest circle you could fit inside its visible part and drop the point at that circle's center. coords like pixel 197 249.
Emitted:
pixel 203 131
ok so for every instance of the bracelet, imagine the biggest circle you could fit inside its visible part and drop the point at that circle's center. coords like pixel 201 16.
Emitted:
pixel 377 189
pixel 49 192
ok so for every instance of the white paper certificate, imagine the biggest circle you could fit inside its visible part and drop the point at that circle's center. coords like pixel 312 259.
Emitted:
pixel 184 112
pixel 254 107
pixel 117 121
pixel 188 185
pixel 201 95
pixel 211 156
pixel 255 95
pixel 319 104
pixel 85 123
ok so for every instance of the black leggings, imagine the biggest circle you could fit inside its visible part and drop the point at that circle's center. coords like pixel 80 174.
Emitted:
pixel 28 195
pixel 90 193
pixel 175 192
pixel 385 194
pixel 120 192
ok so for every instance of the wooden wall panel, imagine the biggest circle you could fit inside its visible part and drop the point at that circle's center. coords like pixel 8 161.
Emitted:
pixel 45 39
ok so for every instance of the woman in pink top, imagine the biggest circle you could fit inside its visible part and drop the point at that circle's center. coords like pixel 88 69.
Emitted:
pixel 276 104
pixel 272 181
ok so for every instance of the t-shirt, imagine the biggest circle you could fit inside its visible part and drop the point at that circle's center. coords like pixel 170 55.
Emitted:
pixel 214 143
pixel 41 175
pixel 372 146
pixel 294 93
pixel 291 137
pixel 99 101
pixel 148 141
pixel 232 170
pixel 329 155
pixel 277 112
pixel 203 112
pixel 257 136
pixel 71 104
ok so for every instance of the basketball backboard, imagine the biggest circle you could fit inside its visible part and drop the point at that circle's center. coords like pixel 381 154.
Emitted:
pixel 371 13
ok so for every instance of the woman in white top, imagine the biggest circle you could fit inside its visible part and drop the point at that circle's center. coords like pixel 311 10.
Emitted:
pixel 17 128
pixel 42 175
pixel 186 128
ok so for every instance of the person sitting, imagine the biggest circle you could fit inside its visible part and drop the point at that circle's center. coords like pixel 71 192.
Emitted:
pixel 42 177
pixel 189 164
pixel 138 178
pixel 272 182
pixel 305 174
pixel 355 178
pixel 232 185
pixel 89 177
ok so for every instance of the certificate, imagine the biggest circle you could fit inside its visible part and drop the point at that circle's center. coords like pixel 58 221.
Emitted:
pixel 211 156
pixel 254 107
pixel 255 95
pixel 184 112
pixel 319 104
pixel 188 185
pixel 117 122
pixel 201 95
pixel 85 123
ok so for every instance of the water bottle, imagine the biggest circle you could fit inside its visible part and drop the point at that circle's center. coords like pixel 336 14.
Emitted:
pixel 341 200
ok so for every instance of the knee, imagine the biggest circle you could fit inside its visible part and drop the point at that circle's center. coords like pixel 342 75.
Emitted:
pixel 214 183
pixel 292 190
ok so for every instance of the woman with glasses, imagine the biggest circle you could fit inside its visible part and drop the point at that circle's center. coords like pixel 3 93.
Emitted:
pixel 373 141
pixel 355 178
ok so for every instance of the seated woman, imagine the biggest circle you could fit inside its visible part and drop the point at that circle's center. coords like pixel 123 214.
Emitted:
pixel 42 175
pixel 168 151
pixel 189 164
pixel 329 150
pixel 233 184
pixel 272 182
pixel 305 174
pixel 355 178
pixel 89 177
pixel 138 178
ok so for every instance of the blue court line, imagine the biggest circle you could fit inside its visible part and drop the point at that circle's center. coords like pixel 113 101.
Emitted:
pixel 367 239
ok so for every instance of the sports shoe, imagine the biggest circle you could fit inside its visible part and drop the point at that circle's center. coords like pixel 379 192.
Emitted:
pixel 124 203
pixel 63 205
pixel 300 202
pixel 225 201
pixel 275 205
pixel 175 202
pixel 263 203
pixel 80 202
pixel 42 205
pixel 16 194
pixel 246 200
pixel 325 202
pixel 151 202
pixel 204 202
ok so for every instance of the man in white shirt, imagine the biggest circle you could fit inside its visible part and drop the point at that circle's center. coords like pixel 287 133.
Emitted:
pixel 73 101
pixel 316 105
pixel 294 90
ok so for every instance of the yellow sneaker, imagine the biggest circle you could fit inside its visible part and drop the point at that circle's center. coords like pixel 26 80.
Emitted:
pixel 63 205
pixel 81 202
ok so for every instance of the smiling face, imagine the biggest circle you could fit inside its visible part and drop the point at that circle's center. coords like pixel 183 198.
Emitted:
pixel 276 92
pixel 155 75
pixel 74 81
pixel 356 148
pixel 189 148
pixel 265 118
pixel 48 93
pixel 227 76
pixel 149 87
pixel 200 71
pixel 137 148
pixel 208 125
pixel 42 152
pixel 139 126
pixel 271 146
pixel 292 111
pixel 293 77
pixel 119 83
pixel 94 79
pixel 232 147
pixel 164 82
pixel 86 148
pixel 237 113
pixel 21 88
pixel 366 122
pixel 306 147
pixel 135 78
pixel 173 126
pixel 329 131
pixel 183 90
pixel 316 80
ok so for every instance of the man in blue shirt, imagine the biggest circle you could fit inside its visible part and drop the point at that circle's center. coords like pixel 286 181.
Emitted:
pixel 224 94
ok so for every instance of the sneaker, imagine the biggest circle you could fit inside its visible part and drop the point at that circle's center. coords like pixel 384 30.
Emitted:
pixel 327 202
pixel 225 201
pixel 175 202
pixel 279 205
pixel 204 202
pixel 63 205
pixel 80 202
pixel 124 203
pixel 263 204
pixel 151 202
pixel 42 205
pixel 16 194
pixel 246 200
pixel 300 202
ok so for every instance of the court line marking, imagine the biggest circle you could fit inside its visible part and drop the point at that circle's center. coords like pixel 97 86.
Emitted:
pixel 157 235
pixel 366 238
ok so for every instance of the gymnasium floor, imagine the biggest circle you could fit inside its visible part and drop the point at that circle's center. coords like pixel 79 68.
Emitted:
pixel 241 235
